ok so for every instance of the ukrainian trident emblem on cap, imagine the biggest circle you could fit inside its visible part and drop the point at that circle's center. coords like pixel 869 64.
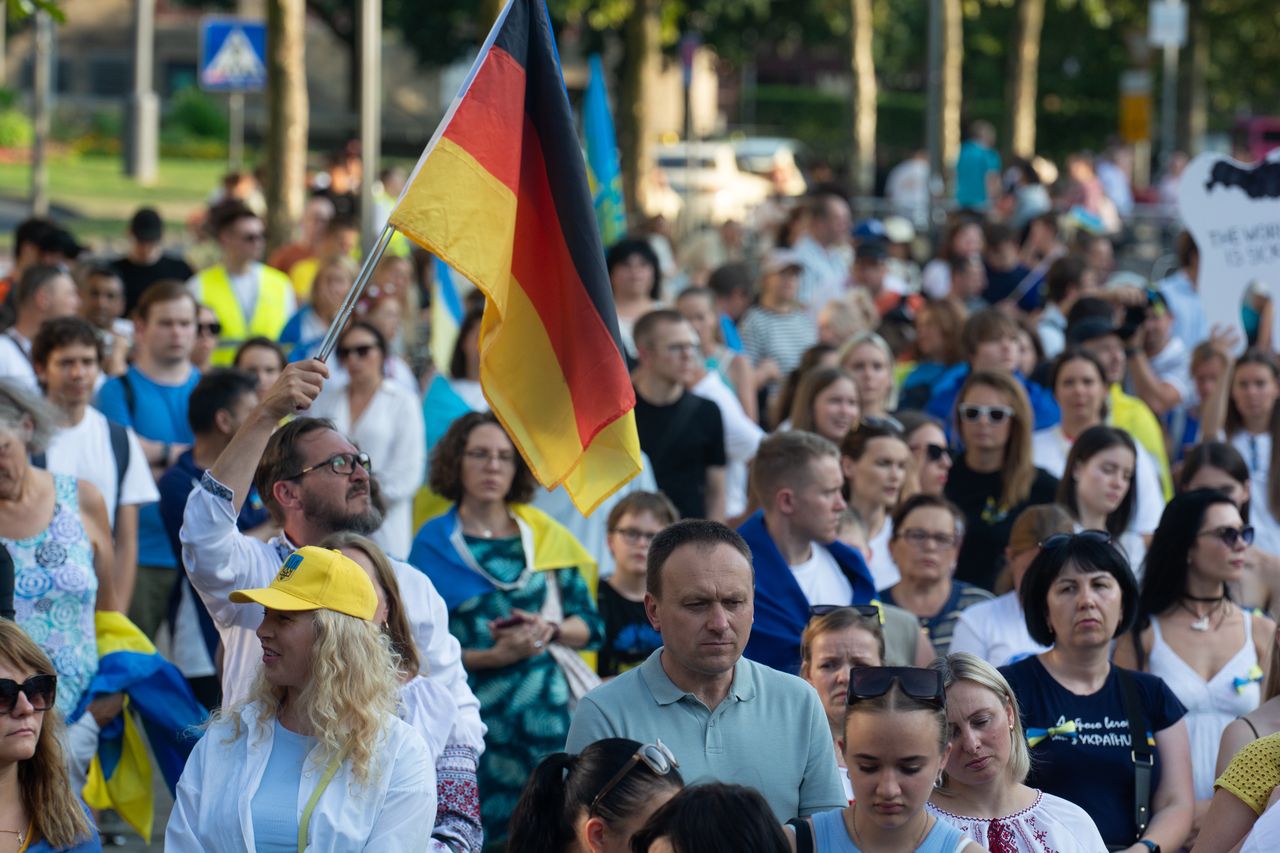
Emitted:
pixel 287 570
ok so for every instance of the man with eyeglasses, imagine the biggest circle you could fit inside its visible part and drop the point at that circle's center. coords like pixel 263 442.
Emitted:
pixel 725 718
pixel 151 399
pixel 681 433
pixel 799 562
pixel 250 298
pixel 314 482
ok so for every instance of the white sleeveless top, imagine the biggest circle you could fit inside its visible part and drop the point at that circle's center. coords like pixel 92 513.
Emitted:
pixel 1234 690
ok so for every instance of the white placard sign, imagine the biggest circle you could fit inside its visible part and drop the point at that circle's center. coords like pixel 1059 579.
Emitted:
pixel 1232 209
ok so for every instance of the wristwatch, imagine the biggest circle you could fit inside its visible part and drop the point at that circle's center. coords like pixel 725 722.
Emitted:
pixel 1149 844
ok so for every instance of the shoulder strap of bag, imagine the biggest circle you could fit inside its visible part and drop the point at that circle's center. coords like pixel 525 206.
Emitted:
pixel 304 822
pixel 120 450
pixel 804 834
pixel 1142 752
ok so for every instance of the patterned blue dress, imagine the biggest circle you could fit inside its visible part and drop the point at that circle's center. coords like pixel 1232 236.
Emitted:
pixel 55 589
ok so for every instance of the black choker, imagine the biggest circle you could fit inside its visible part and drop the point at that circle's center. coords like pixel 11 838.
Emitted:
pixel 1214 600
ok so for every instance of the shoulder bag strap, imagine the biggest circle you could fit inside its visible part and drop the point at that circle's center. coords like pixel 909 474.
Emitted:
pixel 120 450
pixel 1142 752
pixel 329 772
pixel 804 834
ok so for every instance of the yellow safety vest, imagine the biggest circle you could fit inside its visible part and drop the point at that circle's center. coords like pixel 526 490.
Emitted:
pixel 270 312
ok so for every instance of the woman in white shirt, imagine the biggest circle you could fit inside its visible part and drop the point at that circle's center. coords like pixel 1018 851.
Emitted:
pixel 1098 488
pixel 874 460
pixel 1252 424
pixel 316 754
pixel 385 421
pixel 982 791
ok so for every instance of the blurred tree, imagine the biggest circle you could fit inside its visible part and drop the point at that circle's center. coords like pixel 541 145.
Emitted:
pixel 287 118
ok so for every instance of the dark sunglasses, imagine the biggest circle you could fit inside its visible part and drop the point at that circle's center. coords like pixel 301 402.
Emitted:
pixel 1231 535
pixel 214 329
pixel 936 452
pixel 343 464
pixel 40 691
pixel 1059 539
pixel 994 414
pixel 360 350
pixel 874 610
pixel 656 756
pixel 871 682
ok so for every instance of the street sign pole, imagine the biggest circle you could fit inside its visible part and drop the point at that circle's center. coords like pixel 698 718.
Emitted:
pixel 370 117
pixel 235 145
pixel 1167 29
pixel 142 150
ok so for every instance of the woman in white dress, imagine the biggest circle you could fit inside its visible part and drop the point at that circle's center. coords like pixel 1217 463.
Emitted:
pixel 1097 488
pixel 982 791
pixel 385 421
pixel 1209 651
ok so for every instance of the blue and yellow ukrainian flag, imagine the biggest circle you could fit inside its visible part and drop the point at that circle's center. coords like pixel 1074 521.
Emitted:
pixel 603 171
pixel 446 314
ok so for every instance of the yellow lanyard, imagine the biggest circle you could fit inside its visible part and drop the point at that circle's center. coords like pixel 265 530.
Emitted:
pixel 26 839
pixel 334 764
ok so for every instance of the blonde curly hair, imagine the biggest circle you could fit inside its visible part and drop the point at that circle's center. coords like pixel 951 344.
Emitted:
pixel 346 707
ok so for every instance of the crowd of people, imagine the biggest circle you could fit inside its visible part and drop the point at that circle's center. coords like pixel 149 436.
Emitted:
pixel 956 550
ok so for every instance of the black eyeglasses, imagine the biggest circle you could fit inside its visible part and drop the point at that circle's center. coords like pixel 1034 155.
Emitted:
pixel 1231 535
pixel 211 329
pixel 634 536
pixel 343 464
pixel 1059 539
pixel 936 452
pixel 874 610
pixel 993 414
pixel 656 757
pixel 359 350
pixel 40 691
pixel 871 682
pixel 919 538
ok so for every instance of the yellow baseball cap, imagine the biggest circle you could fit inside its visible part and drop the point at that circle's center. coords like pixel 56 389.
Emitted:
pixel 316 579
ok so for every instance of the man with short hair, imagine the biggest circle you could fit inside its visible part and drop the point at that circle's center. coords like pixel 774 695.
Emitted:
pixel 151 397
pixel 990 340
pixel 219 404
pixel 734 289
pixel 978 168
pixel 1159 364
pixel 314 482
pixel 799 562
pixel 681 433
pixel 43 293
pixel 36 241
pixel 825 251
pixel 102 304
pixel 1068 279
pixel 249 297
pixel 724 717
pixel 67 357
pixel 145 261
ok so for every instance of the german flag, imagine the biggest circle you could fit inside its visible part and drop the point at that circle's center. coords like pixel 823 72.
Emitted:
pixel 501 196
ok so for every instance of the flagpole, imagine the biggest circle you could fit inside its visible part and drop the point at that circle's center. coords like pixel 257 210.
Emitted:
pixel 354 294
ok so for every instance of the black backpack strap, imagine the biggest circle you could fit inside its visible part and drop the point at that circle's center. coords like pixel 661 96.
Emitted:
pixel 804 834
pixel 6 584
pixel 130 398
pixel 120 450
pixel 39 460
pixel 1142 752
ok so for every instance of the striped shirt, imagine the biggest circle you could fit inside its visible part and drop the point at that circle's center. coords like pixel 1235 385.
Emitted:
pixel 781 337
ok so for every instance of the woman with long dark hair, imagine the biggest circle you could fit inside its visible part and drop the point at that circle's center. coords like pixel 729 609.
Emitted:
pixel 1098 489
pixel 1209 651
pixel 593 802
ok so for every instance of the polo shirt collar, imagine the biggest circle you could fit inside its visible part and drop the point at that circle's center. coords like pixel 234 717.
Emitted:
pixel 665 691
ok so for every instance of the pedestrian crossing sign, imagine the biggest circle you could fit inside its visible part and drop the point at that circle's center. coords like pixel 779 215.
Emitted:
pixel 233 54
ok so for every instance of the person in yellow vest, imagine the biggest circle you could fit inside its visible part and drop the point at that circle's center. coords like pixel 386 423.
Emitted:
pixel 250 298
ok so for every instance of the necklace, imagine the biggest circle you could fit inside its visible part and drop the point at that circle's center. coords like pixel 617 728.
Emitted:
pixel 852 823
pixel 1202 619
pixel 21 833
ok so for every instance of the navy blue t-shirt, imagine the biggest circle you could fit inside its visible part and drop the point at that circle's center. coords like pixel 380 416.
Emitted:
pixel 1092 768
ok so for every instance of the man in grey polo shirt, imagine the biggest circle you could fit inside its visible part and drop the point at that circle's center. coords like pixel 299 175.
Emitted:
pixel 726 719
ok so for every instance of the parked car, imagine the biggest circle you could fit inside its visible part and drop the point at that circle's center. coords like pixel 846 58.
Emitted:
pixel 765 155
pixel 707 177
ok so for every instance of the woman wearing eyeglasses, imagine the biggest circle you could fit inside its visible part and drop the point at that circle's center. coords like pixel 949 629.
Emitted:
pixel 982 791
pixel 39 811
pixel 385 421
pixel 931 457
pixel 628 637
pixel 1080 387
pixel 1099 490
pixel 519 604
pixel 927 532
pixel 826 403
pixel 1210 652
pixel 996 630
pixel 994 478
pixel 316 755
pixel 208 334
pixel 874 461
pixel 896 743
pixel 1109 740
pixel 593 802
pixel 836 640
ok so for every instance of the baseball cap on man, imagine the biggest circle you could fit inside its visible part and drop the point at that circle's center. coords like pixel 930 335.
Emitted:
pixel 316 579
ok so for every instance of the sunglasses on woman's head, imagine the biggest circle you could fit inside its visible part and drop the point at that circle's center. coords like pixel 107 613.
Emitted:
pixel 1059 539
pixel 871 682
pixel 874 610
pixel 994 414
pixel 1231 535
pixel 656 756
pixel 40 691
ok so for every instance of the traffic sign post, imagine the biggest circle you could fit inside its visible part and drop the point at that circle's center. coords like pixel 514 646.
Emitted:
pixel 233 59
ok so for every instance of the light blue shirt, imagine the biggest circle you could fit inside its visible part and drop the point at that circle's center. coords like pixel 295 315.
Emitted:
pixel 275 805
pixel 1190 324
pixel 770 733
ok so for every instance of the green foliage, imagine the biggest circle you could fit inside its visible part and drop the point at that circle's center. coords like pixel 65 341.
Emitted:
pixel 194 115
pixel 15 129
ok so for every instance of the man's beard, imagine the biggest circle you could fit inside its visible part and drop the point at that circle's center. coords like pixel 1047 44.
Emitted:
pixel 336 519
